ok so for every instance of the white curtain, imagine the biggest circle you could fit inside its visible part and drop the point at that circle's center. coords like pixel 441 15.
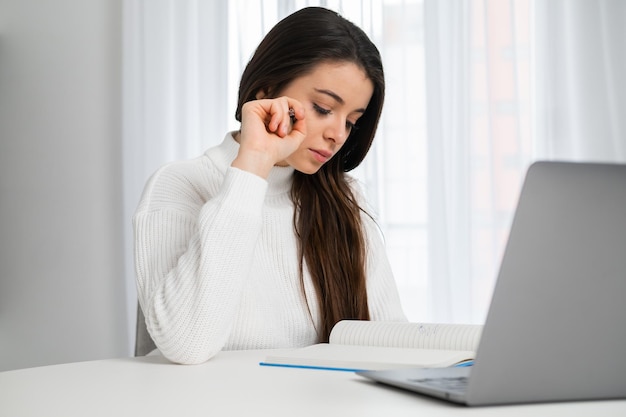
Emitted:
pixel 479 144
pixel 510 82
pixel 477 90
pixel 580 80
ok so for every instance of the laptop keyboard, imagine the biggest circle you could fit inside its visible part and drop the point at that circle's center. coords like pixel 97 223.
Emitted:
pixel 457 384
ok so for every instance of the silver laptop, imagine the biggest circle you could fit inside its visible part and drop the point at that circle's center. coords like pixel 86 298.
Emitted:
pixel 556 327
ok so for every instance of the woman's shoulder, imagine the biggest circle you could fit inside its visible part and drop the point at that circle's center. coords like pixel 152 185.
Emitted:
pixel 183 173
pixel 208 167
pixel 359 191
pixel 181 182
pixel 187 183
pixel 369 213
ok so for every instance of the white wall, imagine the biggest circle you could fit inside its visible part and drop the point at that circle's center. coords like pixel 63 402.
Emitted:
pixel 62 290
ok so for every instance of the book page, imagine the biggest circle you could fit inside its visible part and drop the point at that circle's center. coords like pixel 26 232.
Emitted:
pixel 359 358
pixel 407 335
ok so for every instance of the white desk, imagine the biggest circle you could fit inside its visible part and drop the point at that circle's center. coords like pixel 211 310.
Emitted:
pixel 232 384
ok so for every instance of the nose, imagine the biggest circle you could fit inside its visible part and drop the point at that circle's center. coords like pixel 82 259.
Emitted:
pixel 336 131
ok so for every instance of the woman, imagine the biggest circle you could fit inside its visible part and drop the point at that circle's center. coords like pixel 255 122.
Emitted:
pixel 261 242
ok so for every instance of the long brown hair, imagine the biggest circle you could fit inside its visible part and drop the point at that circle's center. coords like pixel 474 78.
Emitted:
pixel 327 218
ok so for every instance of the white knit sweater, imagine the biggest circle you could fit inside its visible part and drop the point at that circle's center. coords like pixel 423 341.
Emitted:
pixel 217 265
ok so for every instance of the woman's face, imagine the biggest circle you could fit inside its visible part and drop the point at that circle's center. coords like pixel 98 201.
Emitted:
pixel 334 96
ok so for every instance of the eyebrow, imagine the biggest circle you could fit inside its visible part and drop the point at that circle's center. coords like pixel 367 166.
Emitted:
pixel 336 97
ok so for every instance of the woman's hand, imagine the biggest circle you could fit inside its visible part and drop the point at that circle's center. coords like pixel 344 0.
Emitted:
pixel 268 134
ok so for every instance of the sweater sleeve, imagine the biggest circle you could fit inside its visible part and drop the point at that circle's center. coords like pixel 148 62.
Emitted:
pixel 192 258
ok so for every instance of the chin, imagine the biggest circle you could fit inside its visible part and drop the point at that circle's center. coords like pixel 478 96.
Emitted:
pixel 305 167
pixel 308 170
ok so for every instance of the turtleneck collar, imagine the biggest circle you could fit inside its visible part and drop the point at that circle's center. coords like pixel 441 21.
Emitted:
pixel 279 180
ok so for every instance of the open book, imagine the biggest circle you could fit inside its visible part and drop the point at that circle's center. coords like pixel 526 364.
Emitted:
pixel 375 345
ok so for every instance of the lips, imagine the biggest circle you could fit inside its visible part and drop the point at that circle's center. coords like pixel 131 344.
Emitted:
pixel 321 155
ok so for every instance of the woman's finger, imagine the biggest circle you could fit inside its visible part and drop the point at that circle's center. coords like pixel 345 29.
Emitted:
pixel 279 114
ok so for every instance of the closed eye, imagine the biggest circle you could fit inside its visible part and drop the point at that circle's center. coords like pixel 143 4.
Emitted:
pixel 321 110
pixel 325 112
